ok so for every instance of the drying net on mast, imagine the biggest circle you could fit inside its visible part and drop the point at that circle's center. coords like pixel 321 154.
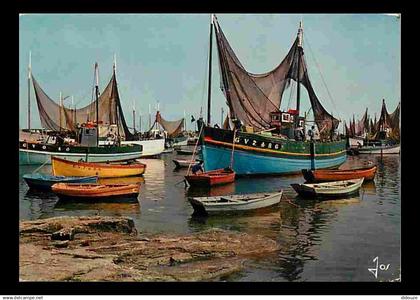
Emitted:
pixel 252 97
pixel 173 128
pixel 56 117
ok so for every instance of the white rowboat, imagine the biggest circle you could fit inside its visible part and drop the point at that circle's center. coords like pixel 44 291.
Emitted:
pixel 234 203
pixel 329 189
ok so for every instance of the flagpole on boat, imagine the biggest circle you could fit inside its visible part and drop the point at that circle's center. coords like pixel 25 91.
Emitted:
pixel 209 84
pixel 29 90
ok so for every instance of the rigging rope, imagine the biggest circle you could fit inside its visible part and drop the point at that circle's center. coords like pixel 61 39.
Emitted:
pixel 322 77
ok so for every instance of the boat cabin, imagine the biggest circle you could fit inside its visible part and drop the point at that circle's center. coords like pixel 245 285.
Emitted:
pixel 284 122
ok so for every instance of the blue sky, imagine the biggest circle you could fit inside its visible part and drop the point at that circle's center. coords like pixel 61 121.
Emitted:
pixel 163 58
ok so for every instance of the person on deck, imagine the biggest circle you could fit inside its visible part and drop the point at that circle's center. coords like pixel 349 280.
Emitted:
pixel 198 168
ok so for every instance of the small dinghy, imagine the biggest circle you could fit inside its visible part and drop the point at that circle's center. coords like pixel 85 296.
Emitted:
pixel 96 192
pixel 168 150
pixel 183 163
pixel 103 170
pixel 38 181
pixel 184 152
pixel 234 203
pixel 328 189
pixel 211 178
pixel 368 173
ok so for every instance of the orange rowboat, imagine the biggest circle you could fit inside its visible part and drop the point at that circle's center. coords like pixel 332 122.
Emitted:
pixel 62 167
pixel 210 178
pixel 95 192
pixel 367 173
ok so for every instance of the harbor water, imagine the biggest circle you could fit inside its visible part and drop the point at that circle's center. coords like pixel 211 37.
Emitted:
pixel 334 240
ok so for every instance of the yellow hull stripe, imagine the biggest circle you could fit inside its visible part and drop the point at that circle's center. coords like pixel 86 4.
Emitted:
pixel 269 150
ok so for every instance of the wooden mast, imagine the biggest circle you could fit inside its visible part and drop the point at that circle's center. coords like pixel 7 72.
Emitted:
pixel 300 32
pixel 29 91
pixel 59 109
pixel 209 85
pixel 134 116
pixel 97 102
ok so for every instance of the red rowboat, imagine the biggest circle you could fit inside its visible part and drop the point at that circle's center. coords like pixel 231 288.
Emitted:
pixel 210 178
pixel 367 173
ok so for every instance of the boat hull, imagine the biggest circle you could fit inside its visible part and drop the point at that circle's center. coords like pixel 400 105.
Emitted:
pixel 69 168
pixel 45 183
pixel 258 155
pixel 232 207
pixel 150 147
pixel 336 175
pixel 319 190
pixel 210 178
pixel 87 192
pixel 179 163
pixel 38 154
pixel 380 150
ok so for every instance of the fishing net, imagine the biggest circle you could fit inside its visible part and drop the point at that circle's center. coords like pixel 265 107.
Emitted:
pixel 173 128
pixel 57 118
pixel 252 97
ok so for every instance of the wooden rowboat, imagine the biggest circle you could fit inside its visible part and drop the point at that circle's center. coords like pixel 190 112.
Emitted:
pixel 184 152
pixel 40 181
pixel 183 163
pixel 329 189
pixel 211 178
pixel 234 203
pixel 102 170
pixel 368 173
pixel 96 192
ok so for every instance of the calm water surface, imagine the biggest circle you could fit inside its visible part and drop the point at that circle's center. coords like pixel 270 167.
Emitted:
pixel 333 240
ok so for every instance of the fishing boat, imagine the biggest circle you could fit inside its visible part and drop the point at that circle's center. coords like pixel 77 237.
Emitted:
pixel 184 152
pixel 32 153
pixel 368 173
pixel 211 178
pixel 96 192
pixel 382 136
pixel 270 141
pixel 61 121
pixel 102 170
pixel 151 147
pixel 381 149
pixel 234 203
pixel 183 163
pixel 40 181
pixel 168 150
pixel 328 189
pixel 180 141
pixel 192 141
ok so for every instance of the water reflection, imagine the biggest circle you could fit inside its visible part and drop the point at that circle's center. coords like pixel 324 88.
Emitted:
pixel 124 208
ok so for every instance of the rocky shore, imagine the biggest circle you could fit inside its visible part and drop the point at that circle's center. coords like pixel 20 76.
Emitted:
pixel 109 249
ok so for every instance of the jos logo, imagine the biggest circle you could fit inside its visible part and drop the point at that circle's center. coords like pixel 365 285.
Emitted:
pixel 378 267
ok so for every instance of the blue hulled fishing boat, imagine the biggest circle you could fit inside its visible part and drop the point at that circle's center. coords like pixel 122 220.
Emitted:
pixel 267 140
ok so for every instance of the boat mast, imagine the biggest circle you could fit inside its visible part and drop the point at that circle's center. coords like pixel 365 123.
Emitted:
pixel 29 91
pixel 59 109
pixel 300 35
pixel 150 117
pixel 134 116
pixel 185 122
pixel 210 59
pixel 221 119
pixel 97 102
